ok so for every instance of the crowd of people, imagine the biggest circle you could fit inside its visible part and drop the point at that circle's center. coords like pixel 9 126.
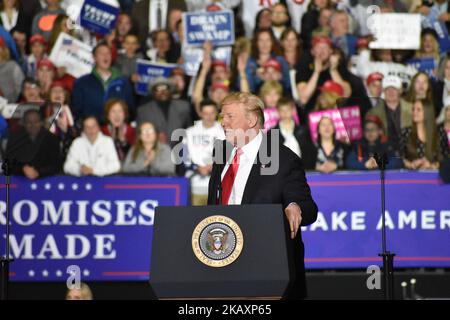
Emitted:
pixel 298 56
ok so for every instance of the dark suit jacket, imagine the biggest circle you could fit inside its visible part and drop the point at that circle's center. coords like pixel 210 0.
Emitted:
pixel 43 153
pixel 140 18
pixel 287 185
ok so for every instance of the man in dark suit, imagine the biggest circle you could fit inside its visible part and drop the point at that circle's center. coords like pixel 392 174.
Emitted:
pixel 34 151
pixel 246 177
pixel 166 114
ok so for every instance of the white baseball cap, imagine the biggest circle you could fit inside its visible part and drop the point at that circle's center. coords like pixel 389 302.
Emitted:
pixel 392 81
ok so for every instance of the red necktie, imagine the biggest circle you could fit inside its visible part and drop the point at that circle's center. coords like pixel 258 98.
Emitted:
pixel 228 179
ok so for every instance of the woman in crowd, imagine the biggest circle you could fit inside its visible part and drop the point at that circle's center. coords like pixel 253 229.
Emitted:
pixel 429 47
pixel 421 89
pixel 117 127
pixel 148 156
pixel 420 142
pixel 164 49
pixel 291 47
pixel 9 13
pixel 264 47
pixel 330 152
pixel 263 20
pixel 31 92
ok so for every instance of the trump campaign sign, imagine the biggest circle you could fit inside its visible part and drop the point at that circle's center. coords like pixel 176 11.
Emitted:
pixel 149 71
pixel 72 54
pixel 99 16
pixel 216 27
pixel 103 226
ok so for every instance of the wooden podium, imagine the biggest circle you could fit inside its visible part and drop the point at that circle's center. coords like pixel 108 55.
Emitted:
pixel 221 252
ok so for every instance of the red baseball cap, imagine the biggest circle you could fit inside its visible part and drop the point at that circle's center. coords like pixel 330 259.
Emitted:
pixel 273 63
pixel 219 85
pixel 218 63
pixel 331 86
pixel 321 39
pixel 375 119
pixel 58 83
pixel 37 38
pixel 47 63
pixel 213 7
pixel 375 76
pixel 362 43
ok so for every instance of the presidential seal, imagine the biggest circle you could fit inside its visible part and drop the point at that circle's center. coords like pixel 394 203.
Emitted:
pixel 217 241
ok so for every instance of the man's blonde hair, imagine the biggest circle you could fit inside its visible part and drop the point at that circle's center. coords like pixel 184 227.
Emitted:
pixel 253 104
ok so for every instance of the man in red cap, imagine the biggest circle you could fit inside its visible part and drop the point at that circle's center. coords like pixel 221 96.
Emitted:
pixel 374 87
pixel 38 47
pixel 322 65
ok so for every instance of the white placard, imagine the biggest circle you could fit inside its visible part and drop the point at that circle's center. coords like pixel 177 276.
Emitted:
pixel 395 31
pixel 72 54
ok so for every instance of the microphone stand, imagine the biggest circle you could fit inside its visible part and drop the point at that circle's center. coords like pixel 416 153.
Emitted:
pixel 388 257
pixel 6 260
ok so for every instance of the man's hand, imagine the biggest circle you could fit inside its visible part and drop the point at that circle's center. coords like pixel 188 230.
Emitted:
pixel 86 171
pixel 294 216
pixel 371 164
pixel 30 172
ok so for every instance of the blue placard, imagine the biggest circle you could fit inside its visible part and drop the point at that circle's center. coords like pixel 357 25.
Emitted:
pixel 432 21
pixel 103 226
pixel 149 71
pixel 98 17
pixel 427 65
pixel 216 27
pixel 347 233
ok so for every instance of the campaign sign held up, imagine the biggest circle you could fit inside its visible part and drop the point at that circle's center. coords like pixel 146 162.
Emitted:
pixel 426 65
pixel 149 71
pixel 216 27
pixel 98 17
pixel 347 122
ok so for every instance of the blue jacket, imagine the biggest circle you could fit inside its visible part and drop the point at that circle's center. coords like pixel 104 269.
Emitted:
pixel 9 43
pixel 90 94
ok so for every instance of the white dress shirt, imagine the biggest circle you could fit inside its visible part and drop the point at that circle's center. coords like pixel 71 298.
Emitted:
pixel 246 161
